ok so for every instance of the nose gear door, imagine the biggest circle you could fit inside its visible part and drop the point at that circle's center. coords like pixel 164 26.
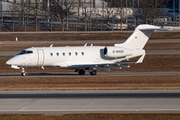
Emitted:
pixel 40 57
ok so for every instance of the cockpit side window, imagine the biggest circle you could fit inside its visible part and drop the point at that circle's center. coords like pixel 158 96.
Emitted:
pixel 22 52
pixel 29 52
pixel 25 52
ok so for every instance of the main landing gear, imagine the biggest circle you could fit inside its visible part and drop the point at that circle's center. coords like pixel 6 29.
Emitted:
pixel 23 72
pixel 94 72
pixel 82 71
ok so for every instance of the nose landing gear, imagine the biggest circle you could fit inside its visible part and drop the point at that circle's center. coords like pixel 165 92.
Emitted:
pixel 23 72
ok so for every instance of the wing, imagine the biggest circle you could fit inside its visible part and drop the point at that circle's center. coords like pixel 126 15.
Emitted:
pixel 106 66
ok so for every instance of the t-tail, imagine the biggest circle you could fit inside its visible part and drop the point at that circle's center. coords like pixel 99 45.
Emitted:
pixel 139 37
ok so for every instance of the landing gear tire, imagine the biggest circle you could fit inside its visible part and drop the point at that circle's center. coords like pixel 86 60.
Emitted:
pixel 81 72
pixel 23 72
pixel 94 72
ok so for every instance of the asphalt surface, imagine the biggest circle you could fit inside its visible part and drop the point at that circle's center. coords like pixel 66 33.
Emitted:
pixel 115 101
pixel 31 75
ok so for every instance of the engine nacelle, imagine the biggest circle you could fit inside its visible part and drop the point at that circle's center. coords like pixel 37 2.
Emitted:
pixel 115 52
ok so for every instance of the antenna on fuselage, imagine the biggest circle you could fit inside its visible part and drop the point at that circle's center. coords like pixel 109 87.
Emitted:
pixel 85 44
pixel 51 45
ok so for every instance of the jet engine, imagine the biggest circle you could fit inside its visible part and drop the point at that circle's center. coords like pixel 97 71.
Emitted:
pixel 115 52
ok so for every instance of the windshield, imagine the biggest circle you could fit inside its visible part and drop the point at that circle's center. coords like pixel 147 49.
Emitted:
pixel 25 52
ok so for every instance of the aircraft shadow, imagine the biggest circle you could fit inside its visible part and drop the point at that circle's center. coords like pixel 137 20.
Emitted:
pixel 42 75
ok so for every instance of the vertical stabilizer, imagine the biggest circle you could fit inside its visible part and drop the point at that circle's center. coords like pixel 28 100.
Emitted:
pixel 139 37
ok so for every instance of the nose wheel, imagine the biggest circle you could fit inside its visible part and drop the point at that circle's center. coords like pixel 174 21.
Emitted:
pixel 23 72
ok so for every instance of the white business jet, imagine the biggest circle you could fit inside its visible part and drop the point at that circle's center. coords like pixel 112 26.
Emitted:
pixel 87 58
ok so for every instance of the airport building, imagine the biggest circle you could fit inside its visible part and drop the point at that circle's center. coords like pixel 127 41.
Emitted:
pixel 5 4
pixel 98 13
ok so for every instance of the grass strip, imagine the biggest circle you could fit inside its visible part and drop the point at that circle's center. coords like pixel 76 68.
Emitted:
pixel 93 116
pixel 82 36
pixel 91 83
pixel 149 46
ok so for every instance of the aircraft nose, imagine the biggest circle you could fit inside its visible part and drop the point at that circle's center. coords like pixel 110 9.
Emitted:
pixel 9 62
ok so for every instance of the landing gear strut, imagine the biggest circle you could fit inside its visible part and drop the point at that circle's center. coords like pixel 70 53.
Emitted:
pixel 23 72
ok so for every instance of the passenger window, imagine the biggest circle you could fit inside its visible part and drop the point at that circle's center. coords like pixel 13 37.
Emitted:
pixel 57 54
pixel 82 53
pixel 51 54
pixel 69 54
pixel 76 53
pixel 63 54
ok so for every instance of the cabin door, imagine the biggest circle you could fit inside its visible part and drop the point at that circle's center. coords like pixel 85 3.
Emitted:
pixel 40 57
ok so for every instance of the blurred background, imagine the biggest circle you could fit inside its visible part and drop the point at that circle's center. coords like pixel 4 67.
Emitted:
pixel 86 15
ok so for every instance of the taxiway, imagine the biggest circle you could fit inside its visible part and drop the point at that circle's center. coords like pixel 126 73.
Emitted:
pixel 90 101
pixel 33 75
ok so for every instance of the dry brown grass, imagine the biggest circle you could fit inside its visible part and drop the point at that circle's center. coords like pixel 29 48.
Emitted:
pixel 91 83
pixel 94 116
pixel 64 36
pixel 162 46
pixel 82 36
pixel 149 46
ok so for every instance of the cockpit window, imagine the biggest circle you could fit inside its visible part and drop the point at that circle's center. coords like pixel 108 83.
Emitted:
pixel 25 52
pixel 29 52
pixel 22 52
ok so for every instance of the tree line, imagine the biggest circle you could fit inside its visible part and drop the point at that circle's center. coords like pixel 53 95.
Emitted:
pixel 58 10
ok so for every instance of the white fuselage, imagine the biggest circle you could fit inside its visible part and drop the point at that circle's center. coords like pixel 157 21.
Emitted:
pixel 68 56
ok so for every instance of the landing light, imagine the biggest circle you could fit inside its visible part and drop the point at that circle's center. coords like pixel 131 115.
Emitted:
pixel 14 67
